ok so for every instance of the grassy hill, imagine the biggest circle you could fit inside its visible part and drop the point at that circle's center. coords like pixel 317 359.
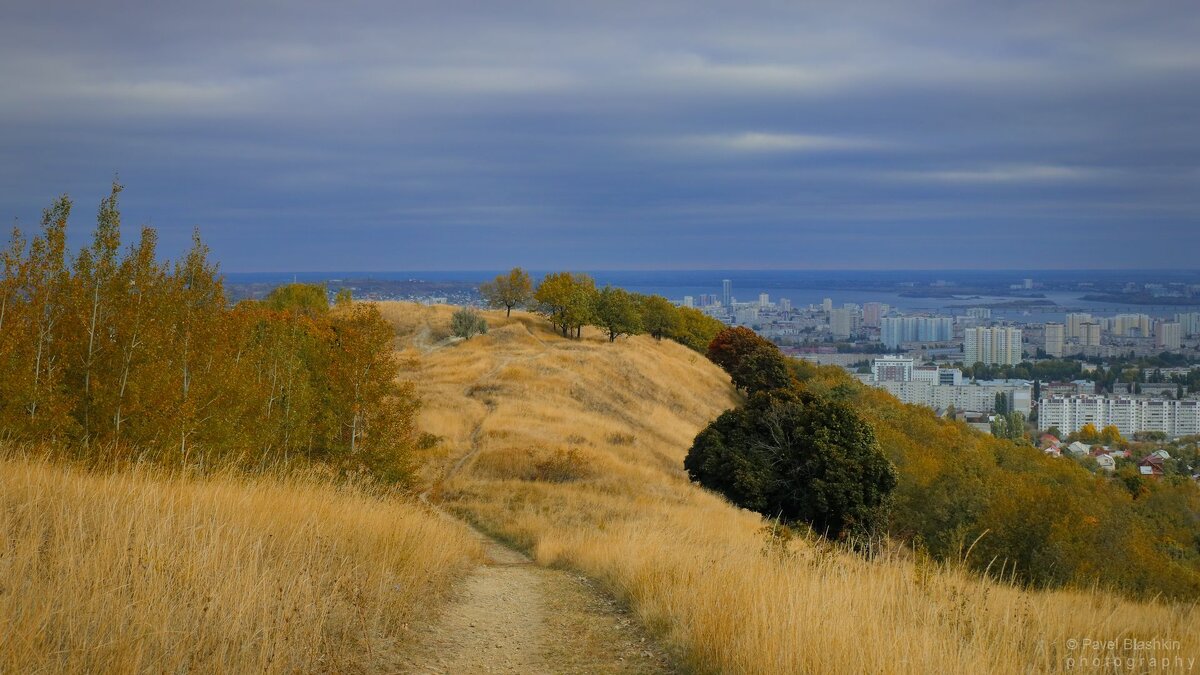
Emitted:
pixel 573 449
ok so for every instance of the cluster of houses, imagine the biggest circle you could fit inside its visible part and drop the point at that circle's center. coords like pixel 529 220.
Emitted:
pixel 1106 457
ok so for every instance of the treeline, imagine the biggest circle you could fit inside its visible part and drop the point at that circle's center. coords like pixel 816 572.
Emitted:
pixel 571 301
pixel 116 355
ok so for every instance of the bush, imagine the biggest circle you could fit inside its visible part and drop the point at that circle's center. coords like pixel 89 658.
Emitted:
pixel 467 323
pixel 798 457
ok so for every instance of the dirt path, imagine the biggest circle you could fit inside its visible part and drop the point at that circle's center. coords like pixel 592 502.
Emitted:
pixel 512 616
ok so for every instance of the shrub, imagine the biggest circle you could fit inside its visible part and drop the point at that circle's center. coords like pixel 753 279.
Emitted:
pixel 466 323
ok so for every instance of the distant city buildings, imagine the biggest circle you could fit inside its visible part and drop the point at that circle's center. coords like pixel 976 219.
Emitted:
pixel 1075 322
pixel 1129 325
pixel 764 300
pixel 992 346
pixel 941 388
pixel 979 313
pixel 726 293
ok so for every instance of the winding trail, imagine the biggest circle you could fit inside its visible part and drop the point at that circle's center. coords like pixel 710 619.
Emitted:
pixel 512 616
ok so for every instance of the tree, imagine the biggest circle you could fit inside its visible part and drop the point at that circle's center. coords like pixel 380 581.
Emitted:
pixel 1111 435
pixel 568 300
pixel 343 297
pixel 466 322
pixel 798 457
pixel 514 289
pixel 1010 426
pixel 695 329
pixel 659 316
pixel 1001 403
pixel 763 369
pixel 310 299
pixel 1088 434
pixel 732 344
pixel 617 313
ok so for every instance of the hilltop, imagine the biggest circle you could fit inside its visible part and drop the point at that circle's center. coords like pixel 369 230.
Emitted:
pixel 571 450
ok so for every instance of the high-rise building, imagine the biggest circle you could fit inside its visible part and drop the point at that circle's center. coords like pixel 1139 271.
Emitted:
pixel 1055 334
pixel 727 292
pixel 1089 334
pixel 896 330
pixel 785 305
pixel 841 322
pixel 979 312
pixel 689 301
pixel 826 305
pixel 872 313
pixel 1168 334
pixel 1027 283
pixel 1074 321
pixel 993 346
pixel 1189 323
pixel 764 300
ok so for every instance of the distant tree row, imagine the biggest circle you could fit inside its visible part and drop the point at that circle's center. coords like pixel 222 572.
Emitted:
pixel 571 301
pixel 112 352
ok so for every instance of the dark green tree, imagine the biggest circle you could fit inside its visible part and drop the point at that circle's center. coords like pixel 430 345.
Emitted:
pixel 763 369
pixel 798 457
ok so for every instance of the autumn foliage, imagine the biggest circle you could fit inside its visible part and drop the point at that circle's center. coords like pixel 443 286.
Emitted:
pixel 118 356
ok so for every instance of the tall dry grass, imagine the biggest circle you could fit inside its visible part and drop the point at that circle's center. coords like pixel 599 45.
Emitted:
pixel 139 571
pixel 573 450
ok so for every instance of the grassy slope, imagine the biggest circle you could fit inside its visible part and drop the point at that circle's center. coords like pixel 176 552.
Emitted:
pixel 573 450
pixel 138 571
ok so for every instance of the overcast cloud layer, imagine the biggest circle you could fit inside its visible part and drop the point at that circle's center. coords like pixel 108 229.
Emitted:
pixel 385 136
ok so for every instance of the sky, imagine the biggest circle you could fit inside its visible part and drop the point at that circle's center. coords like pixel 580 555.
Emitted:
pixel 356 136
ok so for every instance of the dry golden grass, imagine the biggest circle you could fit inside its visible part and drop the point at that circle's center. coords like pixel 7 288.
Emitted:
pixel 140 571
pixel 704 575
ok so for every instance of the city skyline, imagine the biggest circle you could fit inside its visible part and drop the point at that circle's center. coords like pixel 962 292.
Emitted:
pixel 370 136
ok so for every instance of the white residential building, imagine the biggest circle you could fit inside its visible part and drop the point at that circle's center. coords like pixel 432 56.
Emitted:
pixel 895 331
pixel 892 369
pixel 974 396
pixel 1130 415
